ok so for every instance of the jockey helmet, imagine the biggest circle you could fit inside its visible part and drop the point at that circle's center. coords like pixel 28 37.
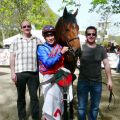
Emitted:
pixel 47 29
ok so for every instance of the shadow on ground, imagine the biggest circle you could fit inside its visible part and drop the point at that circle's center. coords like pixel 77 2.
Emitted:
pixel 114 112
pixel 8 98
pixel 3 73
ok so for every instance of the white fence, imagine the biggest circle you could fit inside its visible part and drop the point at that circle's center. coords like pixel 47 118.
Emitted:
pixel 4 57
pixel 113 60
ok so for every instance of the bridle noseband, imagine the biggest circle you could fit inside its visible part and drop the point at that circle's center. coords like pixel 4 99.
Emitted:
pixel 72 50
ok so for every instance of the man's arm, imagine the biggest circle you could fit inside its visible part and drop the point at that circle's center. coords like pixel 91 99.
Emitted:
pixel 108 73
pixel 12 67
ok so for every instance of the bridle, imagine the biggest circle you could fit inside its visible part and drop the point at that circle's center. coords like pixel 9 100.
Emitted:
pixel 73 39
pixel 72 50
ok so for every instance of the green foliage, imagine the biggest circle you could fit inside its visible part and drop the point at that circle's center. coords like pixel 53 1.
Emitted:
pixel 111 38
pixel 43 18
pixel 1 45
pixel 116 38
pixel 106 8
pixel 13 12
pixel 70 4
pixel 104 43
pixel 96 2
pixel 112 6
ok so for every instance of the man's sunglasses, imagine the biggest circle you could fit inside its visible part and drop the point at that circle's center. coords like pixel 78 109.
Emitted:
pixel 89 34
pixel 26 26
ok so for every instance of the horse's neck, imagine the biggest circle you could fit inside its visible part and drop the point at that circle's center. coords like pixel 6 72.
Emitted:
pixel 71 68
pixel 71 65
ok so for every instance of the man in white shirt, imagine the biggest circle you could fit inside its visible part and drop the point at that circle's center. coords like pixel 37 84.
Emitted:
pixel 23 64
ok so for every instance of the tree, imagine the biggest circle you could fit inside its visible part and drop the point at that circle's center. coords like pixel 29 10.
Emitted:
pixel 71 4
pixel 104 21
pixel 107 8
pixel 112 6
pixel 13 12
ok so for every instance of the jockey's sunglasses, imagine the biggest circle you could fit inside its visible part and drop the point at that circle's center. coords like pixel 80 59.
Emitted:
pixel 89 34
pixel 26 26
pixel 49 34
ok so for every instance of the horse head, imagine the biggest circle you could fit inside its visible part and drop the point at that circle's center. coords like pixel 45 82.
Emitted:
pixel 67 31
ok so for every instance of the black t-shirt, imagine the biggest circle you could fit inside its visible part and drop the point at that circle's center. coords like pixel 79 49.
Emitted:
pixel 90 62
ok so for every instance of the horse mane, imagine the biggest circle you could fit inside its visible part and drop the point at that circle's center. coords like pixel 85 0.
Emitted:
pixel 58 29
pixel 70 18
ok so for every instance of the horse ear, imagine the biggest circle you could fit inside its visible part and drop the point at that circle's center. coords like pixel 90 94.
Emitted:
pixel 76 12
pixel 65 12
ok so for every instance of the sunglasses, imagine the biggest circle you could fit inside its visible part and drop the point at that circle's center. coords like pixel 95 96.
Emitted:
pixel 49 34
pixel 89 34
pixel 26 26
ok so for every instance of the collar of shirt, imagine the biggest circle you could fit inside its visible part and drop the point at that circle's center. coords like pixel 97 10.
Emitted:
pixel 31 38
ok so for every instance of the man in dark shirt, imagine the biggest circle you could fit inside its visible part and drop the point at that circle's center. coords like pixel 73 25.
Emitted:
pixel 89 80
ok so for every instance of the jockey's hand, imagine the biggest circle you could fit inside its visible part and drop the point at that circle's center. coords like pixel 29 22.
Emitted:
pixel 64 49
pixel 14 77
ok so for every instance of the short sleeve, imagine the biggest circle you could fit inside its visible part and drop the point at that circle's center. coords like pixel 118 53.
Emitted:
pixel 104 53
pixel 13 46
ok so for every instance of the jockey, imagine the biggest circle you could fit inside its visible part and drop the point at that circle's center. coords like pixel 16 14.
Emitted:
pixel 50 58
pixel 49 54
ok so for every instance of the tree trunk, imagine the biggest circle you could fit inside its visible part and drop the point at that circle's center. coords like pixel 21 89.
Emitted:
pixel 3 34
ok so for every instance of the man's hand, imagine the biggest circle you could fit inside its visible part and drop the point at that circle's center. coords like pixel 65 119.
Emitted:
pixel 109 85
pixel 108 73
pixel 14 77
pixel 12 67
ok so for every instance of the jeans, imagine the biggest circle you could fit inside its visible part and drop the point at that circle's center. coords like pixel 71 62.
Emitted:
pixel 84 88
pixel 31 80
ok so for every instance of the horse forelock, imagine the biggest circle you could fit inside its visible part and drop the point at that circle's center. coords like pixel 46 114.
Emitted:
pixel 70 18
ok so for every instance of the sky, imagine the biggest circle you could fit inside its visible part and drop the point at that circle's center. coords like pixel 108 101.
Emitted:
pixel 84 18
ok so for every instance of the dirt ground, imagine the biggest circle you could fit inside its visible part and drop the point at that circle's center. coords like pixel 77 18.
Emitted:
pixel 114 112
pixel 8 98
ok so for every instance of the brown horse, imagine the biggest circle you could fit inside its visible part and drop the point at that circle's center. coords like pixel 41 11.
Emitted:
pixel 67 32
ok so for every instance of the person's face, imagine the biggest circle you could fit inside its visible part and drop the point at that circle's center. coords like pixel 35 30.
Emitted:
pixel 26 27
pixel 91 36
pixel 50 38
